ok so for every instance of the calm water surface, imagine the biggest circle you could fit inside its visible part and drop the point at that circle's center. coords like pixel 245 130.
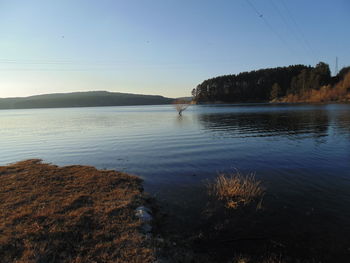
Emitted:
pixel 300 152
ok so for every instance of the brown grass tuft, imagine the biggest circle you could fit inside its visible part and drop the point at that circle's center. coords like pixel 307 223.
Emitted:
pixel 69 214
pixel 236 190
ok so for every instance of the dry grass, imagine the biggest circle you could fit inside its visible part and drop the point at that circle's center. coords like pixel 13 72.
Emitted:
pixel 340 92
pixel 69 214
pixel 236 190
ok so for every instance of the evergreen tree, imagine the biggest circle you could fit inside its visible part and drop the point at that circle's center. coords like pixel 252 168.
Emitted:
pixel 275 91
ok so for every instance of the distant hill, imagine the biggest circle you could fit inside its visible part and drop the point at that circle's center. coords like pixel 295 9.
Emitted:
pixel 82 99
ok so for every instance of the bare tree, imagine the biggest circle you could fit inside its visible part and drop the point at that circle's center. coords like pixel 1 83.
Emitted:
pixel 181 105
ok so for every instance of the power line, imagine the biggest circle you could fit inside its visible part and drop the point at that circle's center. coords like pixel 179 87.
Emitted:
pixel 291 29
pixel 298 28
pixel 270 27
pixel 7 64
pixel 58 61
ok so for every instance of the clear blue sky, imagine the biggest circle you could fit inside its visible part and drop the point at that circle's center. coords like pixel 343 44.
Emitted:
pixel 163 47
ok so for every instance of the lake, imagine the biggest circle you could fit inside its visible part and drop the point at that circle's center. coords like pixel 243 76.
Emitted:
pixel 300 152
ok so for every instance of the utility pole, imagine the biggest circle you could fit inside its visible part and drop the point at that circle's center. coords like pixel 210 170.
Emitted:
pixel 336 66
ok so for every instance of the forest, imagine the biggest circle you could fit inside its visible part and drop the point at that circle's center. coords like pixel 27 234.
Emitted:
pixel 296 82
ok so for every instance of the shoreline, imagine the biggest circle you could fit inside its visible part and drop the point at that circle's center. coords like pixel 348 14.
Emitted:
pixel 271 103
pixel 78 213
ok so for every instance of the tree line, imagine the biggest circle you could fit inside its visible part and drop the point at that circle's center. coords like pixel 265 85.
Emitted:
pixel 266 84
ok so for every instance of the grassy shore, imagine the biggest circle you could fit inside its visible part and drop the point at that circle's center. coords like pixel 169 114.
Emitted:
pixel 79 214
pixel 70 214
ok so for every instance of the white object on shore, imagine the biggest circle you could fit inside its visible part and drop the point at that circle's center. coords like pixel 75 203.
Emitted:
pixel 144 214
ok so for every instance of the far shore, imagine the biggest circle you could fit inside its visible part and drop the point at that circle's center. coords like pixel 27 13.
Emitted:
pixel 273 102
